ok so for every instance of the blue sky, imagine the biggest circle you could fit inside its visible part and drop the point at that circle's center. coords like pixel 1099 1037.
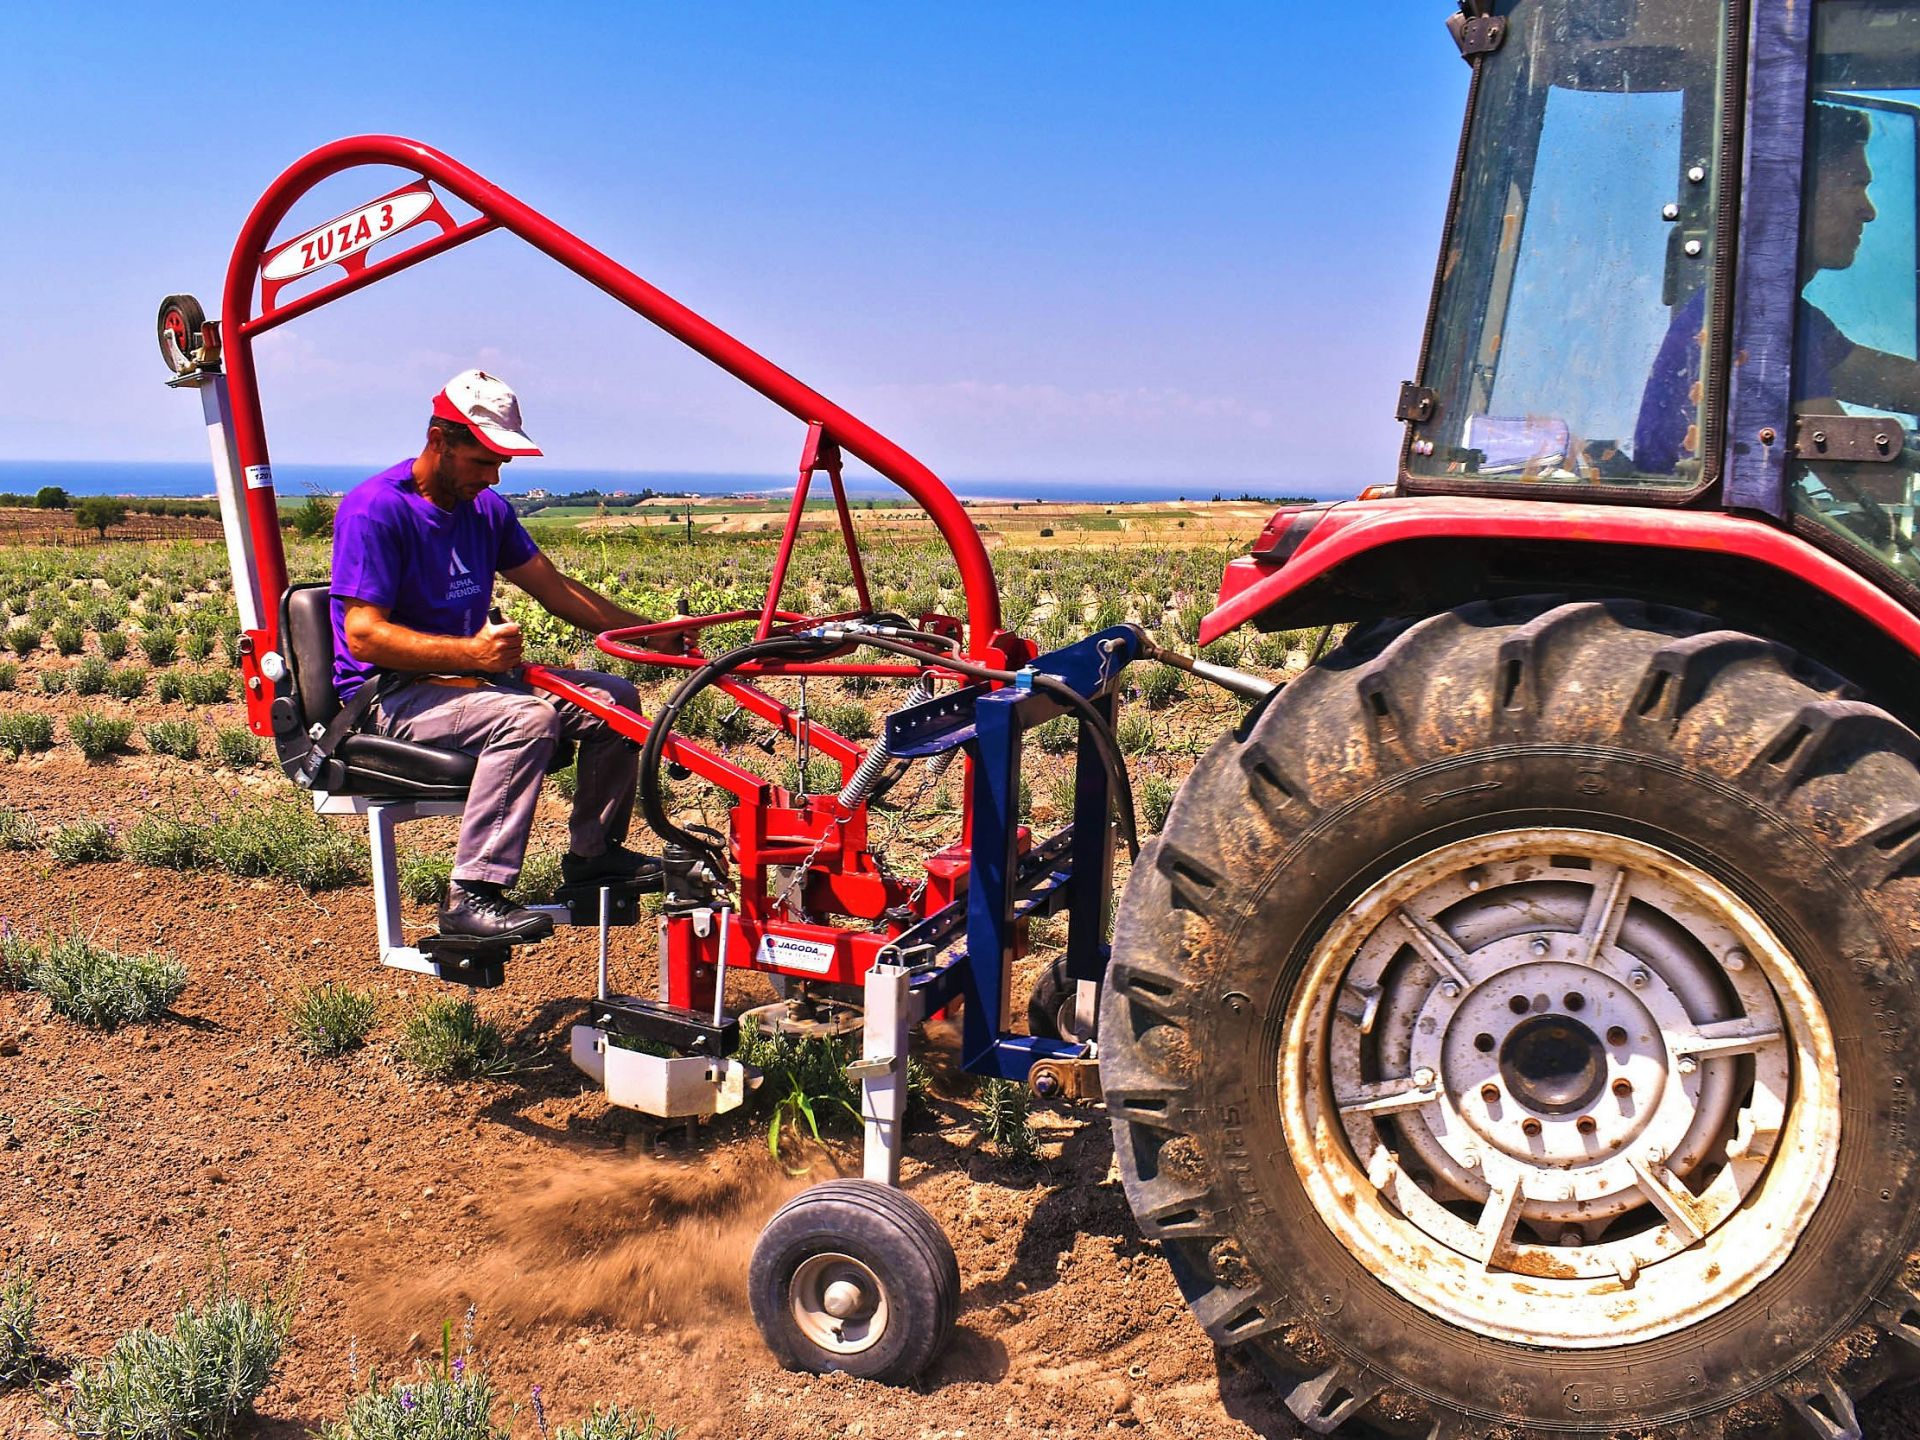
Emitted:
pixel 1106 242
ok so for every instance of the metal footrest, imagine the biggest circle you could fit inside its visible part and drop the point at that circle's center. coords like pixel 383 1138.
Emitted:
pixel 580 904
pixel 688 1032
pixel 466 960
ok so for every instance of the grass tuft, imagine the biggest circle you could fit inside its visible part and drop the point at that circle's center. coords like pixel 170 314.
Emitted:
pixel 453 1400
pixel 97 735
pixel 18 830
pixel 170 842
pixel 99 986
pixel 330 1019
pixel 1004 1119
pixel 179 738
pixel 284 841
pixel 617 1422
pixel 195 1382
pixel 19 1349
pixel 237 747
pixel 445 1039
pixel 85 842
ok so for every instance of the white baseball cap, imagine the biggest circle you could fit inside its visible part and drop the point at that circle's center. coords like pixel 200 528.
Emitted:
pixel 488 407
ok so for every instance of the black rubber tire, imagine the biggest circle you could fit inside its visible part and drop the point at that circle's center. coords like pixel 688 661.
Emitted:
pixel 179 322
pixel 1050 1005
pixel 894 1237
pixel 1763 770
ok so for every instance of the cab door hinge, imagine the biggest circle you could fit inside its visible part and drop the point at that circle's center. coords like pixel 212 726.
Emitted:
pixel 1417 403
pixel 1476 30
pixel 1854 439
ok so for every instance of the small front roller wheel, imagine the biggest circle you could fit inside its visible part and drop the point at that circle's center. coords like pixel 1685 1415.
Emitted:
pixel 180 320
pixel 1052 1008
pixel 852 1275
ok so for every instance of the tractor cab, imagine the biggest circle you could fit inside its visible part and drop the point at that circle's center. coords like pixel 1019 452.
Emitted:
pixel 1663 286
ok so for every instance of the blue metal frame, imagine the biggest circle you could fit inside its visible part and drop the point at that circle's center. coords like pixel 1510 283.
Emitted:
pixel 1767 272
pixel 993 724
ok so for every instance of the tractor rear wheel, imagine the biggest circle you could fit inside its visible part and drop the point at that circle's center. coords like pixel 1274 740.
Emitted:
pixel 1514 1030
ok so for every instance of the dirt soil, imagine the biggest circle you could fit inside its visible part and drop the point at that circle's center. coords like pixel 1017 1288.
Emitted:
pixel 605 1260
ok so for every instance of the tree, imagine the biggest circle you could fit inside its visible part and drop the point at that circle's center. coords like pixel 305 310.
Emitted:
pixel 97 512
pixel 50 497
pixel 315 518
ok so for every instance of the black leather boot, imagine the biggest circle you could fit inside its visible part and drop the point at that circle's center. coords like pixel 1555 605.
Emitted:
pixel 616 865
pixel 479 911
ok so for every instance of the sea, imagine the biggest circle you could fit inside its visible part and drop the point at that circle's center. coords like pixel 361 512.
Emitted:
pixel 186 480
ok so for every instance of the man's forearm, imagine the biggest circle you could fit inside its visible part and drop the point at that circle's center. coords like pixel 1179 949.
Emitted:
pixel 396 647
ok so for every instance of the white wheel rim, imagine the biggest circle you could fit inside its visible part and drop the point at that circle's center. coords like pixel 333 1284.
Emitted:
pixel 838 1303
pixel 1560 1087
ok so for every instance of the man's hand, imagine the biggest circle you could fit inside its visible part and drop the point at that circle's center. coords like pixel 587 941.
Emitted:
pixel 497 647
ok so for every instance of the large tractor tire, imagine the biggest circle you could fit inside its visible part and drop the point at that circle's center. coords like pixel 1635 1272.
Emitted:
pixel 1513 1031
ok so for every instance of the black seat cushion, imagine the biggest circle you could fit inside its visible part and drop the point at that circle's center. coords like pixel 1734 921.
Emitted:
pixel 375 764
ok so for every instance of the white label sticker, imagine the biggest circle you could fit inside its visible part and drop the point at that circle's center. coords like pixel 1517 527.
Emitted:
pixel 350 234
pixel 259 477
pixel 811 957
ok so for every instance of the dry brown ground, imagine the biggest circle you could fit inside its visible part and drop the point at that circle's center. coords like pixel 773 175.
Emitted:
pixel 605 1262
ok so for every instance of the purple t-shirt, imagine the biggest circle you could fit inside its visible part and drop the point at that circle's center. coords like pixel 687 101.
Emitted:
pixel 431 569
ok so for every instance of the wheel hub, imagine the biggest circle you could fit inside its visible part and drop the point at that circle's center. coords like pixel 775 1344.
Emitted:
pixel 838 1303
pixel 1568 1057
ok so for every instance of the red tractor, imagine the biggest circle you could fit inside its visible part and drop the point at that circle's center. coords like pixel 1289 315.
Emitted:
pixel 1514 1029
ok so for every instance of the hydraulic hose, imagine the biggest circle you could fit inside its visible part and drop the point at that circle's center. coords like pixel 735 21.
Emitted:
pixel 1096 724
pixel 652 806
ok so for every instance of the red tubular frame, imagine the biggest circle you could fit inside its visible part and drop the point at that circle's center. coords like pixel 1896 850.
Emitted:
pixel 770 826
pixel 500 210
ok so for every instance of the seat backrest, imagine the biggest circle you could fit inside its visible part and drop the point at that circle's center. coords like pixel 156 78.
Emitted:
pixel 306 629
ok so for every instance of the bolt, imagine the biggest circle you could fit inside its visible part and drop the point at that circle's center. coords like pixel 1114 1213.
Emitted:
pixel 1530 1126
pixel 1571 1236
pixel 1538 945
pixel 1670 212
pixel 1046 1084
pixel 1697 173
pixel 1654 1155
pixel 1638 978
pixel 1687 1065
pixel 1450 989
pixel 1736 959
pixel 1423 1077
pixel 1694 247
pixel 1768 436
pixel 1470 1159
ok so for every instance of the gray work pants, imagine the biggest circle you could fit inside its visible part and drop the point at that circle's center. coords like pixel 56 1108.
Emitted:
pixel 513 731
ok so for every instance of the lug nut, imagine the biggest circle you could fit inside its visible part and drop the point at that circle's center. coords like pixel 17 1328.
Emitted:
pixel 1623 1087
pixel 1586 1125
pixel 1538 945
pixel 1490 1093
pixel 1638 978
pixel 1450 989
pixel 1529 1126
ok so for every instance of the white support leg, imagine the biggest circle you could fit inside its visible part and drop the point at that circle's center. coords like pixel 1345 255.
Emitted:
pixel 382 820
pixel 882 1070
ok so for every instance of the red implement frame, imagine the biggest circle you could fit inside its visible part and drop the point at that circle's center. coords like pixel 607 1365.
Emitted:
pixel 771 827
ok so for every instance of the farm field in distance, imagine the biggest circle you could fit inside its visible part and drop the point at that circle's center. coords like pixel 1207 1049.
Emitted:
pixel 600 1255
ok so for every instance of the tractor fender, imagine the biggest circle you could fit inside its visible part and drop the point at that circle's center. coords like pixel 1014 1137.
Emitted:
pixel 1361 559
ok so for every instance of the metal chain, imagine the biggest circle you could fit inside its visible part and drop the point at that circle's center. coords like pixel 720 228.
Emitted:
pixel 800 870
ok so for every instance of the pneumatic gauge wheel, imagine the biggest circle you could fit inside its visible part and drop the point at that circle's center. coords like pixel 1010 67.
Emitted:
pixel 1514 1031
pixel 854 1276
pixel 179 325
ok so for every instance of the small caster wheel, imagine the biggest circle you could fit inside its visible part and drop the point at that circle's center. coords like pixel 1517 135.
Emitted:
pixel 1051 1007
pixel 852 1275
pixel 180 320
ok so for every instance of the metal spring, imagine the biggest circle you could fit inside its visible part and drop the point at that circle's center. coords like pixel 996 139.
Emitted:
pixel 867 774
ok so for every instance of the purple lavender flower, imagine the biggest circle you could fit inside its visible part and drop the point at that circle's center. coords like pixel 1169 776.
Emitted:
pixel 407 1402
pixel 539 1411
pixel 459 1366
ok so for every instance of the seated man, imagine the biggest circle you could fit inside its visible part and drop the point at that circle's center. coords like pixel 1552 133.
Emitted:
pixel 1829 367
pixel 415 551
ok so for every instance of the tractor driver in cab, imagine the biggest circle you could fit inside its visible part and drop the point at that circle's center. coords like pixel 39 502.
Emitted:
pixel 1828 366
pixel 415 552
